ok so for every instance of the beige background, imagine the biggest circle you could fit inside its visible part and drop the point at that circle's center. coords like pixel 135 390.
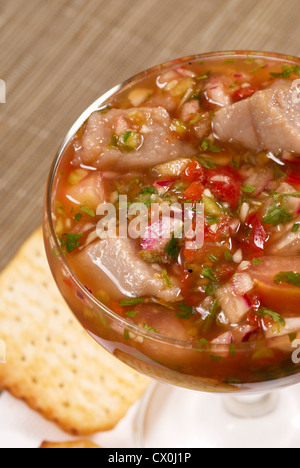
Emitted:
pixel 57 56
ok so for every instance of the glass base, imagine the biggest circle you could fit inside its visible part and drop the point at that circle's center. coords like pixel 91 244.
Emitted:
pixel 170 417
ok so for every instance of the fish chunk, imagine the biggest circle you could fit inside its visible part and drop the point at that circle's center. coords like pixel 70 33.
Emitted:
pixel 107 140
pixel 269 120
pixel 115 266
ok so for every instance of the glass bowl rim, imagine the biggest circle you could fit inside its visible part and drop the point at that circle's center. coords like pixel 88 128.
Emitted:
pixel 96 106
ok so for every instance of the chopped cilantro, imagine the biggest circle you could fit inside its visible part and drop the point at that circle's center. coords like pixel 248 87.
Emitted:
pixel 71 241
pixel 248 189
pixel 228 256
pixel 147 327
pixel 236 162
pixel 206 163
pixel 287 71
pixel 172 248
pixel 285 195
pixel 87 210
pixel 126 136
pixel 211 317
pixel 263 312
pixel 288 277
pixel 208 273
pixel 292 337
pixel 148 191
pixel 211 220
pixel 130 302
pixel 167 280
pixel 257 261
pixel 208 146
pixel 232 349
pixel 185 311
pixel 78 217
pixel 295 228
pixel 259 67
pixel 277 214
pixel 132 313
pixel 114 141
pixel 205 76
pixel 209 289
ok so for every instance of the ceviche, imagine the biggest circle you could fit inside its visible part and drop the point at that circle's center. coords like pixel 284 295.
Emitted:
pixel 221 133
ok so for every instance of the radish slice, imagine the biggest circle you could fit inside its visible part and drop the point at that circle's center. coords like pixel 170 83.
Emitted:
pixel 226 338
pixel 160 233
pixel 243 333
pixel 292 325
pixel 162 186
pixel 232 299
pixel 260 180
pixel 242 283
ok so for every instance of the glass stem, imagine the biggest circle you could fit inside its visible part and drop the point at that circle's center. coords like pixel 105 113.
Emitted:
pixel 251 406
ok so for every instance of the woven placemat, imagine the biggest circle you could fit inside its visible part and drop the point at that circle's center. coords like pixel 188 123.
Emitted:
pixel 57 56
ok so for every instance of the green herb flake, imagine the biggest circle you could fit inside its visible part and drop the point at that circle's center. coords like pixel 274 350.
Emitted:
pixel 85 209
pixel 205 76
pixel 208 273
pixel 287 71
pixel 167 279
pixel 185 311
pixel 259 67
pixel 71 241
pixel 77 217
pixel 248 189
pixel 292 337
pixel 126 136
pixel 277 214
pixel 172 248
pixel 212 316
pixel 114 141
pixel 206 163
pixel 232 349
pixel 132 313
pixel 130 302
pixel 288 277
pixel 209 289
pixel 236 162
pixel 148 191
pixel 257 261
pixel 147 327
pixel 295 228
pixel 263 312
pixel 211 220
pixel 228 256
pixel 208 146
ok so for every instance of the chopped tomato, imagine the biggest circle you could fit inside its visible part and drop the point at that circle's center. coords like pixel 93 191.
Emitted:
pixel 293 179
pixel 194 192
pixel 225 272
pixel 224 184
pixel 258 235
pixel 194 172
pixel 186 279
pixel 245 93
